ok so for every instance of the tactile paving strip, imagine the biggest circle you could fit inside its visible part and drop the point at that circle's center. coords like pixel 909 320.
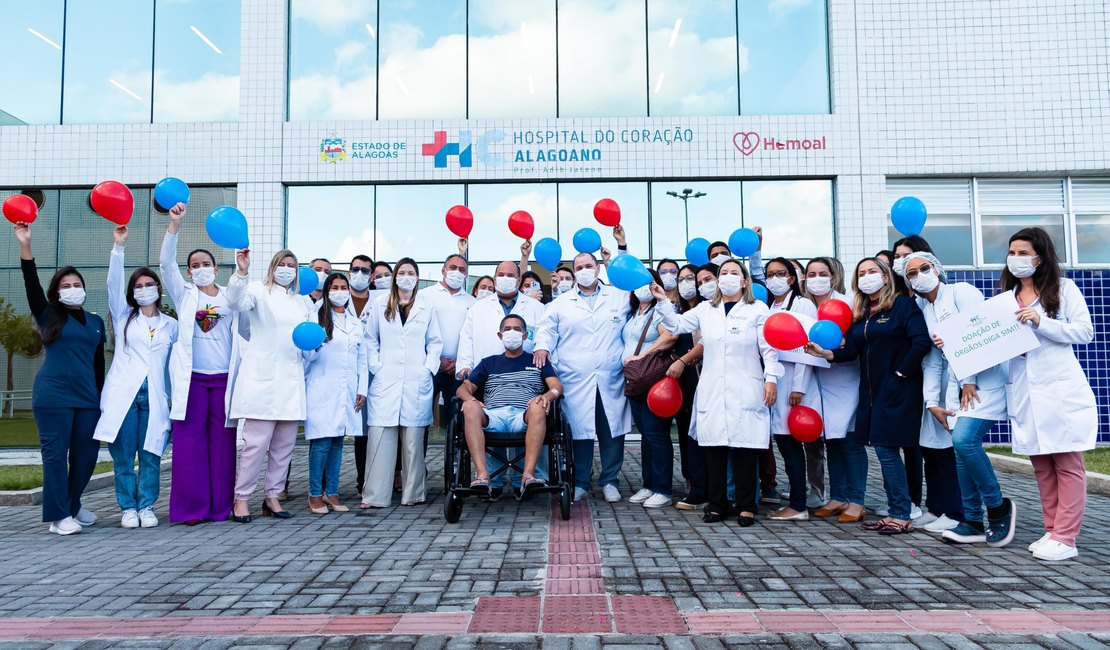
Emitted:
pixel 647 615
pixel 506 614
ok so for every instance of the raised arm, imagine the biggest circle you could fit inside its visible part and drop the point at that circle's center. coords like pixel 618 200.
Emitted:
pixel 239 297
pixel 755 261
pixel 36 297
pixel 117 285
pixel 167 258
pixel 675 323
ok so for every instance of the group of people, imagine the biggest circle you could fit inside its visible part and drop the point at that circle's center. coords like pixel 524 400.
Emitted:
pixel 227 367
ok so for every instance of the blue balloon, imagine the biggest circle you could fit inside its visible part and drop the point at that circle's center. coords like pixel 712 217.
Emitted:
pixel 587 240
pixel 826 333
pixel 743 242
pixel 627 273
pixel 908 215
pixel 309 335
pixel 760 292
pixel 548 253
pixel 227 227
pixel 307 280
pixel 171 191
pixel 697 251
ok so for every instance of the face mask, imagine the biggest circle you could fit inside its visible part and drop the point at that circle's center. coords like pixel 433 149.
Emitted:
pixel 778 286
pixel 454 279
pixel 586 277
pixel 383 282
pixel 720 259
pixel 204 276
pixel 1021 266
pixel 512 339
pixel 870 283
pixel 482 293
pixel 563 287
pixel 505 285
pixel 900 266
pixel 320 278
pixel 643 294
pixel 73 296
pixel 670 281
pixel 924 282
pixel 708 290
pixel 407 282
pixel 730 285
pixel 360 281
pixel 687 289
pixel 147 295
pixel 284 275
pixel 819 285
pixel 339 298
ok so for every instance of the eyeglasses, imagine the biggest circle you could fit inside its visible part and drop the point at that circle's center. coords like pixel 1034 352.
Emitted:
pixel 360 269
pixel 924 268
pixel 779 274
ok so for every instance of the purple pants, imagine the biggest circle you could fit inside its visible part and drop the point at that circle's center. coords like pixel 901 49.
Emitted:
pixel 202 483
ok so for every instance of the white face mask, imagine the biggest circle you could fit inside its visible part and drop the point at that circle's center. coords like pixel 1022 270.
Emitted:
pixel 670 280
pixel 870 283
pixel 383 282
pixel 1021 266
pixel 924 281
pixel 730 285
pixel 708 290
pixel 407 282
pixel 339 298
pixel 482 293
pixel 643 294
pixel 505 285
pixel 563 287
pixel 204 276
pixel 72 296
pixel 455 279
pixel 687 289
pixel 720 259
pixel 512 339
pixel 146 295
pixel 900 266
pixel 778 286
pixel 819 285
pixel 586 278
pixel 284 275
pixel 321 276
pixel 359 281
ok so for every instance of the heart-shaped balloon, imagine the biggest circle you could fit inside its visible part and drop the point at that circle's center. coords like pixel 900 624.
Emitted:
pixel 227 227
pixel 607 212
pixel 460 220
pixel 113 201
pixel 521 224
pixel 20 208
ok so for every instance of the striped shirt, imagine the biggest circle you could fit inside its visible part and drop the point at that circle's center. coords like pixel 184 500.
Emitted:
pixel 509 381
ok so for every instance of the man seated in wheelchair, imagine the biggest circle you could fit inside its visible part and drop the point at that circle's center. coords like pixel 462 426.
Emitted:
pixel 516 398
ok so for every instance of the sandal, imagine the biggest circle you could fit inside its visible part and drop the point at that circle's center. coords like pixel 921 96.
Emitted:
pixel 895 528
pixel 875 525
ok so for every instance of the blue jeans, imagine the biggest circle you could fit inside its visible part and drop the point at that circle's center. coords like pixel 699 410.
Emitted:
pixel 978 483
pixel 656 448
pixel 325 459
pixel 894 482
pixel 611 450
pixel 847 461
pixel 132 494
pixel 794 461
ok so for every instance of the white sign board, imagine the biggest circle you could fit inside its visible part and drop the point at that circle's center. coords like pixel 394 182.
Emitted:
pixel 984 337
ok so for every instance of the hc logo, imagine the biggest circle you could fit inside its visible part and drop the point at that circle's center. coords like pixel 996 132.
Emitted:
pixel 439 149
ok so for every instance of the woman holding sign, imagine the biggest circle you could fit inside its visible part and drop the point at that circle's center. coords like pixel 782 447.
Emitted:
pixel 1051 406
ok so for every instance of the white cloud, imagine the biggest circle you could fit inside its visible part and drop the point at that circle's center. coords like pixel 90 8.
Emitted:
pixel 333 15
pixel 780 8
pixel 213 97
pixel 359 244
pixel 349 52
pixel 796 216
pixel 327 97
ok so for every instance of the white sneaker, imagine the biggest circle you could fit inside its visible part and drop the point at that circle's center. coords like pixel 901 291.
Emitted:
pixel 915 512
pixel 926 519
pixel 1054 551
pixel 85 517
pixel 1040 542
pixel 67 526
pixel 657 501
pixel 612 494
pixel 941 524
pixel 641 496
pixel 129 519
pixel 147 518
pixel 580 494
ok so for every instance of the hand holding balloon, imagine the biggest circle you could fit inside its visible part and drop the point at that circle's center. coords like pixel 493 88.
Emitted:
pixel 463 245
pixel 243 261
pixel 818 351
pixel 618 234
pixel 23 236
pixel 177 215
pixel 526 248
pixel 120 235
pixel 658 292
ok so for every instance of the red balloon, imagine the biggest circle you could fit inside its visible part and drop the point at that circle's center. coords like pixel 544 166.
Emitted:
pixel 607 212
pixel 521 224
pixel 665 397
pixel 838 312
pixel 784 332
pixel 113 201
pixel 20 208
pixel 804 423
pixel 460 220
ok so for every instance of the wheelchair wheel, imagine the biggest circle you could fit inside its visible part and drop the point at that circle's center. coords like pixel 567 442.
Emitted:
pixel 452 507
pixel 564 502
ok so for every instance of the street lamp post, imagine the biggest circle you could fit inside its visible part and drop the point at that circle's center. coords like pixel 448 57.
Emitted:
pixel 686 195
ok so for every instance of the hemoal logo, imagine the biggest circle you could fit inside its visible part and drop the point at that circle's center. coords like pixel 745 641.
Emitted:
pixel 747 142
pixel 439 149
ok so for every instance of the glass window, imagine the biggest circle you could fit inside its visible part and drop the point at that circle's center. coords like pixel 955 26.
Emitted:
pixel 576 211
pixel 423 60
pixel 333 60
pixel 796 216
pixel 692 55
pixel 784 67
pixel 44 235
pixel 491 240
pixel 949 235
pixel 85 238
pixel 1092 238
pixel 674 221
pixel 196 55
pixel 512 58
pixel 997 230
pixel 602 58
pixel 109 49
pixel 410 223
pixel 31 35
pixel 332 221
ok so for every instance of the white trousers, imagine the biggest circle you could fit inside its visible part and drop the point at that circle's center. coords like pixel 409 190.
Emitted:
pixel 381 459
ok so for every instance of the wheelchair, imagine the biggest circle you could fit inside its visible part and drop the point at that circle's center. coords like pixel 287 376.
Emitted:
pixel 457 469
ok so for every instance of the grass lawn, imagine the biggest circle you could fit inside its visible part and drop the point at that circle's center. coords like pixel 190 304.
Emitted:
pixel 1098 459
pixel 19 431
pixel 25 477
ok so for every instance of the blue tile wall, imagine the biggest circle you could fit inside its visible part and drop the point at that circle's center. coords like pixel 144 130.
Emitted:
pixel 1095 357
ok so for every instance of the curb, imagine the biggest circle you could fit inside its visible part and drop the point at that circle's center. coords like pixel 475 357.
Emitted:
pixel 33 497
pixel 1096 483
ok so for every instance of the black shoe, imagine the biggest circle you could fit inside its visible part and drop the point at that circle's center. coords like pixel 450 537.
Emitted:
pixel 745 521
pixel 495 493
pixel 277 514
pixel 691 503
pixel 244 519
pixel 711 517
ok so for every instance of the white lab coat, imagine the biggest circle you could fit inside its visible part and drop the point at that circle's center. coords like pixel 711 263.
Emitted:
pixel 403 360
pixel 478 338
pixel 451 310
pixel 839 389
pixel 797 377
pixel 728 406
pixel 1051 405
pixel 589 344
pixel 335 375
pixel 186 299
pixel 270 381
pixel 142 358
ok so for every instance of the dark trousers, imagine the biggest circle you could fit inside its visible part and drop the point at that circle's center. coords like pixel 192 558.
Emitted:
pixel 446 385
pixel 767 480
pixel 794 460
pixel 744 467
pixel 68 457
pixel 914 471
pixel 942 482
